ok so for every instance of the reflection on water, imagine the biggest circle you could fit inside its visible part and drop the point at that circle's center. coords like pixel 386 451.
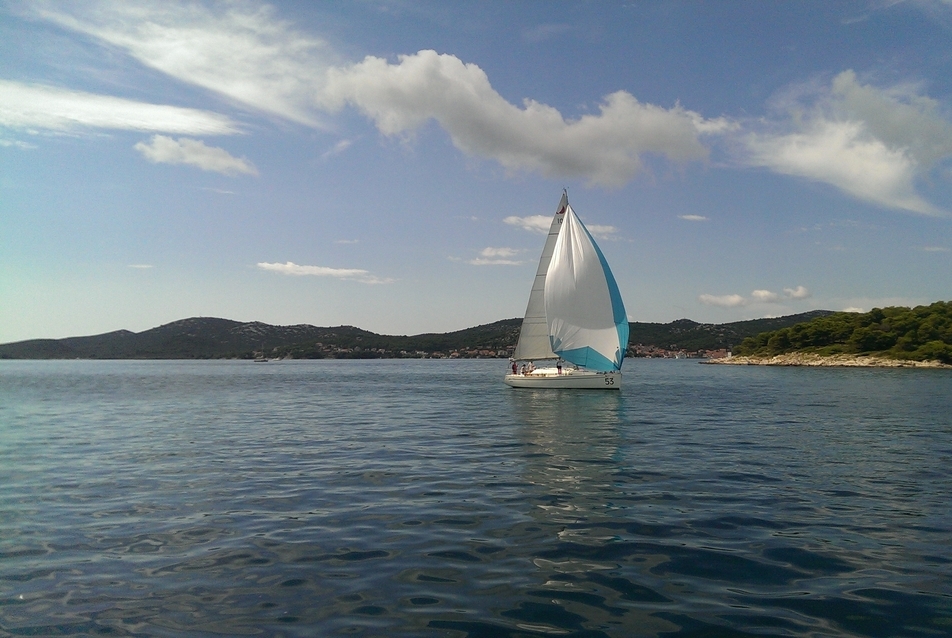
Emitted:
pixel 427 498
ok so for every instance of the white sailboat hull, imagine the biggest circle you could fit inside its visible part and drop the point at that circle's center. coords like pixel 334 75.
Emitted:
pixel 569 379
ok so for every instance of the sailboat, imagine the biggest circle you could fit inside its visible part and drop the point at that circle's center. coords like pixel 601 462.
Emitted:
pixel 575 326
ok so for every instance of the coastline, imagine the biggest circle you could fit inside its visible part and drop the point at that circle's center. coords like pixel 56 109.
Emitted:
pixel 831 361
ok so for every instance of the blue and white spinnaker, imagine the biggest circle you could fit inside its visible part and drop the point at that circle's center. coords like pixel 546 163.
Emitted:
pixel 586 317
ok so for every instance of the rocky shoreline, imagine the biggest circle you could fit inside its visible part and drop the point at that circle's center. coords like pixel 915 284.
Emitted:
pixel 831 361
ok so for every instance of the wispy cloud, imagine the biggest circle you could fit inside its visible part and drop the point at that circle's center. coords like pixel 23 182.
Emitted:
pixel 534 223
pixel 797 293
pixel 497 257
pixel 16 143
pixel 165 150
pixel 871 143
pixel 542 223
pixel 35 106
pixel 337 149
pixel 241 51
pixel 601 231
pixel 499 252
pixel 765 296
pixel 354 274
pixel 935 249
pixel 346 241
pixel 693 218
pixel 725 301
pixel 544 32
pixel 140 266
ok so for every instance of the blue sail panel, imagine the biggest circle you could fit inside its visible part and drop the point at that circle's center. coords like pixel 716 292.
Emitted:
pixel 619 314
pixel 589 359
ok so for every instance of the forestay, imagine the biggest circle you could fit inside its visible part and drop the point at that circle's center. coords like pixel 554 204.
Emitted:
pixel 586 319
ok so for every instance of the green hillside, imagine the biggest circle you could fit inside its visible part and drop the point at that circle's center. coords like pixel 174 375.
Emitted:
pixel 214 338
pixel 690 336
pixel 917 334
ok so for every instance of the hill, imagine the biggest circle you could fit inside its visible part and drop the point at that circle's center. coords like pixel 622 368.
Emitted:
pixel 208 338
pixel 914 334
pixel 691 336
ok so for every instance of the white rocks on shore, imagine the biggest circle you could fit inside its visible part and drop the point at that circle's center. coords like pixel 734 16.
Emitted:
pixel 831 361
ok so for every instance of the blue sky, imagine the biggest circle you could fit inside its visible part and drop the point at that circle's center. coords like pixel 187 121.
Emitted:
pixel 385 164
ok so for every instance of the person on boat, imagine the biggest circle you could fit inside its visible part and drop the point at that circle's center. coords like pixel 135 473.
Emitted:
pixel 522 370
pixel 558 366
pixel 514 368
pixel 530 368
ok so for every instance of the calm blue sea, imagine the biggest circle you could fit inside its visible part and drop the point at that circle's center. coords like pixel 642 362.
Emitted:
pixel 426 498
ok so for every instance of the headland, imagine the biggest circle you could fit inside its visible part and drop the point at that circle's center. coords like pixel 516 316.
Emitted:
pixel 809 359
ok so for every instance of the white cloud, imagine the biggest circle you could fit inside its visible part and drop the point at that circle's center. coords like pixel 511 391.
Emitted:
pixel 499 252
pixel 693 218
pixel 874 144
pixel 605 149
pixel 765 296
pixel 935 249
pixel 534 223
pixel 346 241
pixel 853 309
pixel 497 257
pixel 354 274
pixel 34 106
pixel 248 55
pixel 141 266
pixel 796 293
pixel 165 150
pixel 238 50
pixel 725 301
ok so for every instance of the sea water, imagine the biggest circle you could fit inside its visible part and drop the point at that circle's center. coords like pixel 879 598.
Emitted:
pixel 426 498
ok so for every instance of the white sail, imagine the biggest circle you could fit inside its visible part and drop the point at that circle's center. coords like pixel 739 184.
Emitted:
pixel 586 319
pixel 534 337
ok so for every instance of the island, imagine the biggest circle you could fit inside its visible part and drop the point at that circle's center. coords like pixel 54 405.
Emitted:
pixel 884 337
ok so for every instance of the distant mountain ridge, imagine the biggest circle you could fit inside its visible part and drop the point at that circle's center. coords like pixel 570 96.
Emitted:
pixel 214 338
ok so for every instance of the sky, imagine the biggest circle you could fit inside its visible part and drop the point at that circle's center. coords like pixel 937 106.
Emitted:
pixel 393 165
